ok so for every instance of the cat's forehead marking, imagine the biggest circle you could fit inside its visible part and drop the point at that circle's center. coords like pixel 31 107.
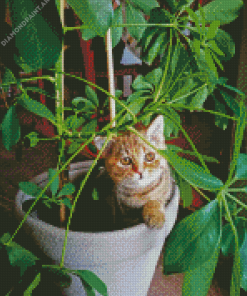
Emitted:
pixel 130 144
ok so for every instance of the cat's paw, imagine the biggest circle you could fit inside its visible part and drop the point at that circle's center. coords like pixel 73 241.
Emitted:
pixel 153 216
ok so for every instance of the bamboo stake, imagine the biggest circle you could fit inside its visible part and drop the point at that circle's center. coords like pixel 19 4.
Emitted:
pixel 110 72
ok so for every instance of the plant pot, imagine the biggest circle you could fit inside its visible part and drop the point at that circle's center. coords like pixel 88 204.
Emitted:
pixel 124 260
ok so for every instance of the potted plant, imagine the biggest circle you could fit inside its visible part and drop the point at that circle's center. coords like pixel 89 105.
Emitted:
pixel 190 44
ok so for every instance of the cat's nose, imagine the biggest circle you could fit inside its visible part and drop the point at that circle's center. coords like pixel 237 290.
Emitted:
pixel 137 171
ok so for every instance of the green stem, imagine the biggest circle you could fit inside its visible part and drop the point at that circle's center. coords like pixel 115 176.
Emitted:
pixel 156 96
pixel 78 195
pixel 190 141
pixel 236 200
pixel 204 110
pixel 49 183
pixel 239 133
pixel 119 26
pixel 188 94
pixel 103 90
pixel 52 79
pixel 236 264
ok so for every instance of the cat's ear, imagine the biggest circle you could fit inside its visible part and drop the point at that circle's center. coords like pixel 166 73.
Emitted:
pixel 99 142
pixel 155 132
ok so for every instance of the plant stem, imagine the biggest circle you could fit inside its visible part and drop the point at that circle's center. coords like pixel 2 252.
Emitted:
pixel 49 183
pixel 188 94
pixel 78 195
pixel 236 200
pixel 119 25
pixel 165 72
pixel 104 91
pixel 204 110
pixel 52 79
pixel 190 141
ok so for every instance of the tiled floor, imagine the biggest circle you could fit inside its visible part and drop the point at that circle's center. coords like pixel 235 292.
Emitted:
pixel 39 159
pixel 171 285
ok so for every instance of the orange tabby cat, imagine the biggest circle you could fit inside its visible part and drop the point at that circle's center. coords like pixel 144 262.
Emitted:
pixel 141 176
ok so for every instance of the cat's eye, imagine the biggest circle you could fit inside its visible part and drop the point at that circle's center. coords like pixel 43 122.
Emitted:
pixel 150 156
pixel 126 160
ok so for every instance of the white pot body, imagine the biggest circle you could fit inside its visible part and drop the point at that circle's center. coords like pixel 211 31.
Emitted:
pixel 124 260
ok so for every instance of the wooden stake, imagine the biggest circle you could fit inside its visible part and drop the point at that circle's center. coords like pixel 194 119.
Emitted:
pixel 61 176
pixel 110 73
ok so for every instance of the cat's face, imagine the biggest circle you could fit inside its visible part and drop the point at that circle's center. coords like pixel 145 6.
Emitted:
pixel 131 163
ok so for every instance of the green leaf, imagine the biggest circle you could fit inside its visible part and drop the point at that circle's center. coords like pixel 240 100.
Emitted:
pixel 39 34
pixel 73 122
pixel 146 6
pixel 135 103
pixel 228 241
pixel 217 60
pixel 11 130
pixel 118 93
pixel 94 13
pixel 87 34
pixel 185 191
pixel 193 240
pixel 117 20
pixel 197 281
pixel 95 194
pixel 55 184
pixel 194 18
pixel 147 36
pixel 74 146
pixel 91 95
pixel 134 16
pixel 212 44
pixel 212 31
pixel 83 104
pixel 92 280
pixel 225 43
pixel 20 62
pixel 67 189
pixel 67 202
pixel 231 102
pixel 175 57
pixel 155 48
pixel 224 13
pixel 220 121
pixel 243 262
pixel 89 289
pixel 210 61
pixel 239 133
pixel 5 238
pixel 89 128
pixel 191 172
pixel 19 256
pixel 38 90
pixel 140 83
pixel 36 107
pixel 236 274
pixel 182 4
pixel 8 79
pixel 199 98
pixel 178 149
pixel 33 285
pixel 241 168
pixel 30 188
pixel 154 76
pixel 59 276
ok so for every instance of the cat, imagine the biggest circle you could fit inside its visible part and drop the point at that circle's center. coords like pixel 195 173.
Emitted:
pixel 141 178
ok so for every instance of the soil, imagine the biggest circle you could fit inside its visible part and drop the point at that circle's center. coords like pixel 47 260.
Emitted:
pixel 90 215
